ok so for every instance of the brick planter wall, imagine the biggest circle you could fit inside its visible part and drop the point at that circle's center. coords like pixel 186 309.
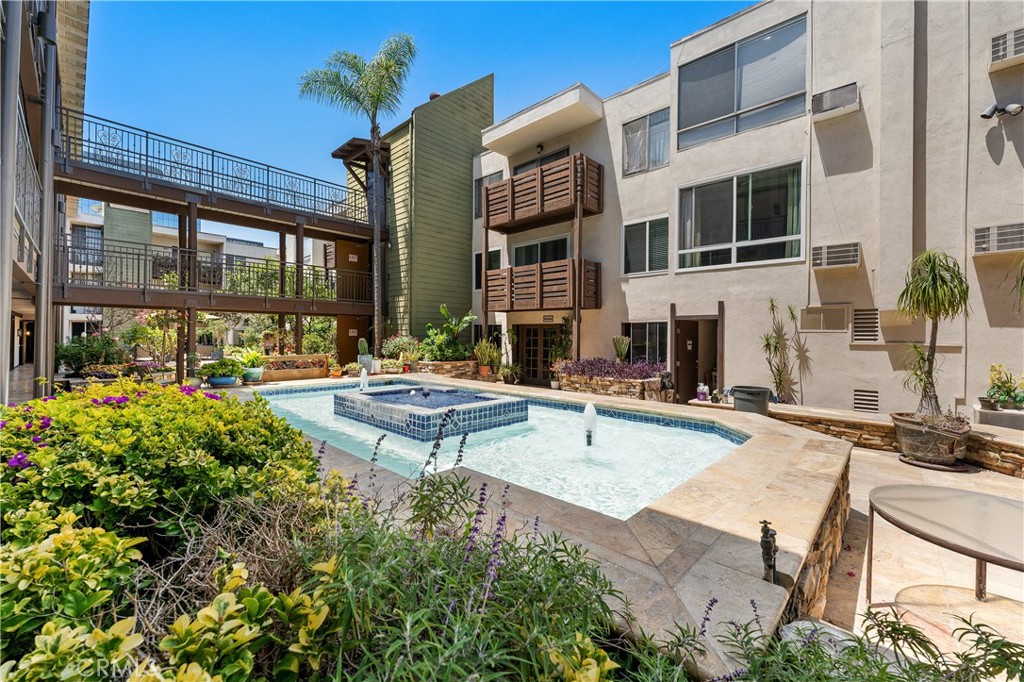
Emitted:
pixel 863 434
pixel 630 388
pixel 808 596
pixel 460 369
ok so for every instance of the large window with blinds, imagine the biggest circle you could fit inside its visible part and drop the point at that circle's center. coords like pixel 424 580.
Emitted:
pixel 755 82
pixel 645 246
pixel 748 218
pixel 645 143
pixel 648 341
pixel 540 161
pixel 541 252
pixel 493 263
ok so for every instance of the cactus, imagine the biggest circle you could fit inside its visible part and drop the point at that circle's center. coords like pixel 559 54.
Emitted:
pixel 364 348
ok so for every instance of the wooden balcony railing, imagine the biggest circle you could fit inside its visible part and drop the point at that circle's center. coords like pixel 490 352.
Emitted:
pixel 543 286
pixel 545 195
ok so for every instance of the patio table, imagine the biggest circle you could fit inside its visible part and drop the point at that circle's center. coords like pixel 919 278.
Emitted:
pixel 988 528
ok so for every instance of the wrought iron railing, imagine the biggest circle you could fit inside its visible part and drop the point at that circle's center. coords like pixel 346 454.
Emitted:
pixel 151 157
pixel 127 265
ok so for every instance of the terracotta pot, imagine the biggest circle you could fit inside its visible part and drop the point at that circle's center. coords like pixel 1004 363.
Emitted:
pixel 335 373
pixel 484 370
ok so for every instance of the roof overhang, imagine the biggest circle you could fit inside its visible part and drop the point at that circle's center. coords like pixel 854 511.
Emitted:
pixel 564 112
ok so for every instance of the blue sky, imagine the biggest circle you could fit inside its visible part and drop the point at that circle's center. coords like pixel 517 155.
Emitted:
pixel 224 74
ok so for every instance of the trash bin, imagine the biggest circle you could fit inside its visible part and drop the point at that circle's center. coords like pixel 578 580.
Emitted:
pixel 751 399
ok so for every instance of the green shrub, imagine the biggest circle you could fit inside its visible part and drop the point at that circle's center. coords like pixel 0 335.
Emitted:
pixel 97 349
pixel 399 344
pixel 225 367
pixel 442 343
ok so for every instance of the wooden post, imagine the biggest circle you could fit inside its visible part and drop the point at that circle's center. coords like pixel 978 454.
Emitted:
pixel 721 346
pixel 300 257
pixel 281 285
pixel 179 351
pixel 191 344
pixel 193 247
pixel 483 272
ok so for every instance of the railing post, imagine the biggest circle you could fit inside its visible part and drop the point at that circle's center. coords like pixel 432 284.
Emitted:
pixel 266 187
pixel 146 160
pixel 316 198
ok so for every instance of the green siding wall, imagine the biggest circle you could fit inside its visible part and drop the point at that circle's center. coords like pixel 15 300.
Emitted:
pixel 446 137
pixel 127 225
pixel 399 252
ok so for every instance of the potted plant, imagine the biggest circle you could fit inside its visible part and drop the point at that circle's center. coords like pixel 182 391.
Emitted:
pixel 412 359
pixel 621 345
pixel 252 366
pixel 487 355
pixel 192 365
pixel 391 365
pixel 334 367
pixel 224 372
pixel 365 358
pixel 561 347
pixel 353 369
pixel 935 289
pixel 1002 387
pixel 511 372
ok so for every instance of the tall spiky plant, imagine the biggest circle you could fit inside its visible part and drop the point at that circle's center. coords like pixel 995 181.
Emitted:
pixel 373 88
pixel 935 289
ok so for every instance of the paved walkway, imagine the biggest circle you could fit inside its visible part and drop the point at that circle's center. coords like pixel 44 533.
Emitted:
pixel 927 582
pixel 22 383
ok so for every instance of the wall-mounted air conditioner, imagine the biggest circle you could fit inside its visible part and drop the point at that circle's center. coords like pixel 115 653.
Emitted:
pixel 836 256
pixel 998 239
pixel 1007 50
pixel 835 102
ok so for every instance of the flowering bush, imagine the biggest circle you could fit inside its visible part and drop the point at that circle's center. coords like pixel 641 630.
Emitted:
pixel 397 345
pixel 610 369
pixel 1002 386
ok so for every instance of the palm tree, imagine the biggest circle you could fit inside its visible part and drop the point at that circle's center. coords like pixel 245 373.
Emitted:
pixel 372 88
pixel 935 289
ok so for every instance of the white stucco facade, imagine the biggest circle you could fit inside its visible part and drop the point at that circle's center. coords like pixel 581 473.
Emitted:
pixel 914 167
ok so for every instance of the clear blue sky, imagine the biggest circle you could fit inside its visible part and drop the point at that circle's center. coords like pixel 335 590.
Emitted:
pixel 224 74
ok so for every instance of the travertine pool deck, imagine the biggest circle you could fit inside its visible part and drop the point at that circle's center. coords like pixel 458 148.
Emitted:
pixel 701 540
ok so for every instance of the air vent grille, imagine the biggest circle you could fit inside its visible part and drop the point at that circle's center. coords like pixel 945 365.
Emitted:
pixel 865 400
pixel 836 256
pixel 1008 49
pixel 998 238
pixel 865 326
pixel 836 101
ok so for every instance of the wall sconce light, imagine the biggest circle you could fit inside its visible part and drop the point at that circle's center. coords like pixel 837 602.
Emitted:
pixel 540 148
pixel 995 110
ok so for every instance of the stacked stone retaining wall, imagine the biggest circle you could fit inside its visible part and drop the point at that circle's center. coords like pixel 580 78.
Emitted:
pixel 457 369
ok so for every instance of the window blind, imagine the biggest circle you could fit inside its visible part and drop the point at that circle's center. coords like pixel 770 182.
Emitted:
pixel 772 66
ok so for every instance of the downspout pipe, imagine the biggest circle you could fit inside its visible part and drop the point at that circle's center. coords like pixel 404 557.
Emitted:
pixel 45 330
pixel 9 93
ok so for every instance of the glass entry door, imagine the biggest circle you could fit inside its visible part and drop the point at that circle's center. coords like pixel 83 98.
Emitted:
pixel 535 342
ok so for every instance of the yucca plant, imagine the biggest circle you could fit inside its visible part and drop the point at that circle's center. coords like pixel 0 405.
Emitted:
pixel 935 289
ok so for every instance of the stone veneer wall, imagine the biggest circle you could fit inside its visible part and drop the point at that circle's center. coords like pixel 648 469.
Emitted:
pixel 988 453
pixel 460 369
pixel 621 388
pixel 808 596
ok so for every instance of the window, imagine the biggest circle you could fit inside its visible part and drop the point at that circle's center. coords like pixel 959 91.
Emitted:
pixel 91 207
pixel 307 251
pixel 830 318
pixel 493 263
pixel 540 161
pixel 161 219
pixel 645 143
pixel 753 83
pixel 494 333
pixel 648 341
pixel 86 245
pixel 541 252
pixel 478 192
pixel 746 219
pixel 645 246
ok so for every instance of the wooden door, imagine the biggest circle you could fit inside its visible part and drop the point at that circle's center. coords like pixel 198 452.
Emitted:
pixel 535 342
pixel 686 338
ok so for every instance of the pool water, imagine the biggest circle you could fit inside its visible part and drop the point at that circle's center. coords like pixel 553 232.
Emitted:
pixel 432 400
pixel 629 465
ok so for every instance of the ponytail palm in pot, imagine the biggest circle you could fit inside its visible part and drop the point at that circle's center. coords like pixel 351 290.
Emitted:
pixel 935 289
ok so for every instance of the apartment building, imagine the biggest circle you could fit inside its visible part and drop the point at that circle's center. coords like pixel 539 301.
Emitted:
pixel 798 151
pixel 99 230
pixel 429 158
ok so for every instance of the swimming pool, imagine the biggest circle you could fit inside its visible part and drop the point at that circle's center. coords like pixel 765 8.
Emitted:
pixel 635 459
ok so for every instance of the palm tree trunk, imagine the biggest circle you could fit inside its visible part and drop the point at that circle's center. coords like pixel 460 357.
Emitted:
pixel 929 405
pixel 377 219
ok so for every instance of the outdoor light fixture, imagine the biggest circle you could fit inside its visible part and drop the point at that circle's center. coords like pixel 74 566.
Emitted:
pixel 540 148
pixel 995 110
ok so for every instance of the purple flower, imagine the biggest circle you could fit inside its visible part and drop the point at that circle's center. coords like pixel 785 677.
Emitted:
pixel 3 423
pixel 707 616
pixel 139 394
pixel 36 438
pixel 95 401
pixel 212 396
pixel 613 369
pixel 185 389
pixel 478 519
pixel 491 576
pixel 12 404
pixel 28 426
pixel 45 423
pixel 48 398
pixel 19 461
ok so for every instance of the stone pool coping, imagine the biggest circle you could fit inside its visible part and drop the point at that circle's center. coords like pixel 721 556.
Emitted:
pixel 701 540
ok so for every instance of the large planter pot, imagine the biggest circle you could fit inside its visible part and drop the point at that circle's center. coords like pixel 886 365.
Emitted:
pixel 988 404
pixel 414 366
pixel 194 382
pixel 366 361
pixel 252 375
pixel 929 444
pixel 221 382
pixel 485 370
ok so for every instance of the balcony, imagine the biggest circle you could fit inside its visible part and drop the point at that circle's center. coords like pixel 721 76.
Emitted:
pixel 545 195
pixel 543 286
pixel 126 274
